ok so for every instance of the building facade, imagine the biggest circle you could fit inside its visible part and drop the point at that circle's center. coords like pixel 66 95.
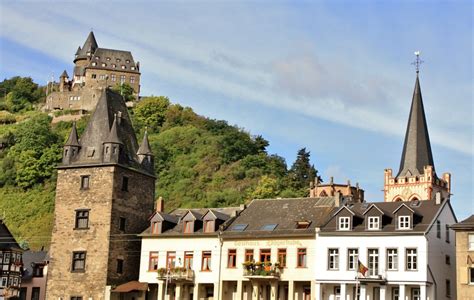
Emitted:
pixel 95 69
pixel 465 258
pixel 105 191
pixel 10 264
pixel 35 271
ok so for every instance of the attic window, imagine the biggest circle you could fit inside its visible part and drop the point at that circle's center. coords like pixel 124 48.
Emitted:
pixel 94 64
pixel 373 223
pixel 156 227
pixel 302 224
pixel 344 223
pixel 127 61
pixel 104 64
pixel 133 68
pixel 188 226
pixel 268 227
pixel 114 65
pixel 124 67
pixel 108 58
pixel 239 227
pixel 209 226
pixel 404 222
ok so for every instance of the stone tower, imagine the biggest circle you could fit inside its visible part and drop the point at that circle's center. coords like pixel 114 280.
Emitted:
pixel 416 178
pixel 105 192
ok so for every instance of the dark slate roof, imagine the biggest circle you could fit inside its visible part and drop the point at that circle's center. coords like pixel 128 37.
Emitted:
pixel 179 213
pixel 7 241
pixel 425 212
pixel 467 224
pixel 99 130
pixel 31 257
pixel 90 45
pixel 64 74
pixel 113 136
pixel 285 213
pixel 111 58
pixel 72 140
pixel 416 152
pixel 145 148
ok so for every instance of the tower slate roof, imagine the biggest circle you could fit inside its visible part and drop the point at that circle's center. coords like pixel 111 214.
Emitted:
pixel 8 241
pixel 417 148
pixel 64 74
pixel 113 134
pixel 72 140
pixel 145 148
pixel 90 45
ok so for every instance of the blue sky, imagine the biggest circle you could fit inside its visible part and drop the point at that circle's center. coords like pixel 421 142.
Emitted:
pixel 334 77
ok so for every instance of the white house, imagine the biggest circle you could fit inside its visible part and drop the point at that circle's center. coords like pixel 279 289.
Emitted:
pixel 407 247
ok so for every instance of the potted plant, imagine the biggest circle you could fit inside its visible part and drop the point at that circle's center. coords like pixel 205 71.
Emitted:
pixel 161 272
pixel 268 266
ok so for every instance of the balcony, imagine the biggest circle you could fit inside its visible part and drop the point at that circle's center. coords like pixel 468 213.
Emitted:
pixel 259 270
pixel 176 274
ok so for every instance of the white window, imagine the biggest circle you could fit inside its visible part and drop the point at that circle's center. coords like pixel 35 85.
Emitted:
pixel 133 68
pixel 415 294
pixel 122 78
pixel 411 260
pixel 102 77
pixel 352 255
pixel 132 79
pixel 392 259
pixel 373 262
pixel 112 76
pixel 104 64
pixel 124 67
pixel 94 64
pixel 333 259
pixel 403 222
pixel 374 223
pixel 344 223
pixel 471 242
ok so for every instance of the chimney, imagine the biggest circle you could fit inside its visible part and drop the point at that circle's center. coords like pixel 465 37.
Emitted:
pixel 338 198
pixel 160 204
pixel 438 198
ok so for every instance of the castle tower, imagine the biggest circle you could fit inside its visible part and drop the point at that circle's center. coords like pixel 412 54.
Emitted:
pixel 145 156
pixel 416 178
pixel 102 200
pixel 63 81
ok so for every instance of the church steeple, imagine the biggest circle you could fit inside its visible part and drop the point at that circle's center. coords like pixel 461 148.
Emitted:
pixel 416 152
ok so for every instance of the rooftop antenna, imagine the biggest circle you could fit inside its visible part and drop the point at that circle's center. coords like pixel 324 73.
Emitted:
pixel 417 61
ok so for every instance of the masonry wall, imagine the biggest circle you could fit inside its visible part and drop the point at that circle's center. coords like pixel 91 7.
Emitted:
pixel 464 261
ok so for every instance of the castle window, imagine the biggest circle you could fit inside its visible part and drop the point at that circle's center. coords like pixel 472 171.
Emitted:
pixel 112 77
pixel 119 266
pixel 132 79
pixel 35 293
pixel 85 182
pixel 133 68
pixel 125 184
pixel 447 259
pixel 114 66
pixel 94 64
pixel 104 65
pixel 447 233
pixel 76 298
pixel 122 78
pixel 124 67
pixel 94 76
pixel 108 58
pixel 82 219
pixel 117 60
pixel 78 261
pixel 127 61
pixel 122 223
pixel 102 77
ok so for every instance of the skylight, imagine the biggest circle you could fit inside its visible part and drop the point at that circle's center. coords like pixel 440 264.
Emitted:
pixel 239 227
pixel 268 227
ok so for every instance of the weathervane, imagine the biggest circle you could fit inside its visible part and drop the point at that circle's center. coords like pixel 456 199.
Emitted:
pixel 417 62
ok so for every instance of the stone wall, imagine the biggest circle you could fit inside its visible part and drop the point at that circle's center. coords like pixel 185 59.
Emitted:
pixel 464 261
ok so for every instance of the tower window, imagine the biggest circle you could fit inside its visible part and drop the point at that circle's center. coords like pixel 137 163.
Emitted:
pixel 132 79
pixel 438 229
pixel 122 223
pixel 112 77
pixel 124 67
pixel 85 179
pixel 78 261
pixel 82 219
pixel 119 266
pixel 94 76
pixel 76 298
pixel 125 184
pixel 122 78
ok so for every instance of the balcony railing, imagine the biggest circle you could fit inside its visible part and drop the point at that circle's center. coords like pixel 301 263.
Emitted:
pixel 261 270
pixel 176 274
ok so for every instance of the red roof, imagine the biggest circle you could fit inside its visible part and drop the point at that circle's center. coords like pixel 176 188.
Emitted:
pixel 130 287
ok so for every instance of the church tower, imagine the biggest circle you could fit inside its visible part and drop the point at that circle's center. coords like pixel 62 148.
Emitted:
pixel 416 178
pixel 104 196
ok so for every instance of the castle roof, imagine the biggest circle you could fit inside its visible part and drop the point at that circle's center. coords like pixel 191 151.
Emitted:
pixel 72 140
pixel 90 45
pixel 8 242
pixel 64 74
pixel 112 59
pixel 416 152
pixel 113 134
pixel 145 148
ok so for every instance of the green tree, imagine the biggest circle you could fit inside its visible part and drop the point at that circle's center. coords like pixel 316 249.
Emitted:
pixel 125 90
pixel 268 187
pixel 151 112
pixel 302 172
pixel 21 93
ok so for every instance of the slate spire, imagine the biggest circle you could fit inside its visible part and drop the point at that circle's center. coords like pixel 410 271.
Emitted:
pixel 73 140
pixel 145 148
pixel 113 136
pixel 417 148
pixel 90 44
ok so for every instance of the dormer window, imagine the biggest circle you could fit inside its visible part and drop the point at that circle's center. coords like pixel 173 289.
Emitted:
pixel 108 58
pixel 209 226
pixel 114 66
pixel 373 223
pixel 94 64
pixel 344 223
pixel 127 61
pixel 104 64
pixel 133 68
pixel 156 227
pixel 124 67
pixel 188 226
pixel 403 222
pixel 302 224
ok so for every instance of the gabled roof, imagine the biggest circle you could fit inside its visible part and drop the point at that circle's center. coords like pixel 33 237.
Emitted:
pixel 165 217
pixel 30 258
pixel 284 213
pixel 145 148
pixel 72 140
pixel 64 74
pixel 196 216
pixel 416 152
pixel 90 45
pixel 402 204
pixel 342 208
pixel 376 207
pixel 8 242
pixel 217 215
pixel 467 224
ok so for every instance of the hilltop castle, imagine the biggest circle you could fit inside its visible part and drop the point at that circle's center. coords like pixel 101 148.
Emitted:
pixel 95 68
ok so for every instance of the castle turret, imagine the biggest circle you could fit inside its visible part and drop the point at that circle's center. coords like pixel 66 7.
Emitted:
pixel 145 156
pixel 72 146
pixel 88 49
pixel 113 147
pixel 63 81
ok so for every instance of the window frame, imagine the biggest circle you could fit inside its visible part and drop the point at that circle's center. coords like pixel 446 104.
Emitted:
pixel 333 259
pixel 156 227
pixel 122 223
pixel 438 229
pixel 267 255
pixel 373 265
pixel 344 220
pixel 85 182
pixel 78 260
pixel 208 223
pixel 79 218
pixel 232 258
pixel 120 265
pixel 404 220
pixel 170 260
pixel 188 227
pixel 206 257
pixel 371 225
pixel 411 258
pixel 301 258
pixel 188 260
pixel 394 261
pixel 448 288
pixel 125 181
pixel 153 260
pixel 249 255
pixel 281 257
pixel 354 257
pixel 470 241
pixel 446 230
pixel 470 275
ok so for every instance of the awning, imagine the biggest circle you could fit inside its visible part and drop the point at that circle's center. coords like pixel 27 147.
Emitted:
pixel 131 286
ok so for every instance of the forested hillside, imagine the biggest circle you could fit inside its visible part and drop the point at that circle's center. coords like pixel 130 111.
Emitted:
pixel 199 162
